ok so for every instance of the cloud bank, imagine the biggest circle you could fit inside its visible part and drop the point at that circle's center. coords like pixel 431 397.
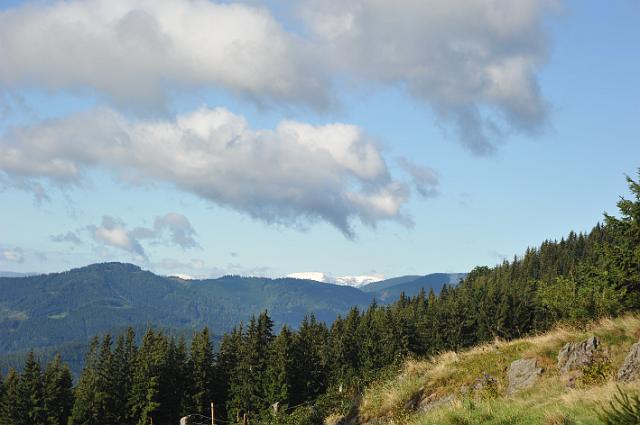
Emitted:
pixel 475 63
pixel 137 51
pixel 291 174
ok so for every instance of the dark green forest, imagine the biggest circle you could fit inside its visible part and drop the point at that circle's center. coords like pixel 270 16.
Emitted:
pixel 299 376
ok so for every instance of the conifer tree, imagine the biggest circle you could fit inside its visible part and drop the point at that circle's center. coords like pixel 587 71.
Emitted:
pixel 202 372
pixel 145 393
pixel 310 345
pixel 281 369
pixel 124 356
pixel 13 409
pixel 85 408
pixel 32 390
pixel 227 362
pixel 58 392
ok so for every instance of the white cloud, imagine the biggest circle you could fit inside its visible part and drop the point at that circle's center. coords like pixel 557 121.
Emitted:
pixel 288 175
pixel 113 232
pixel 136 50
pixel 475 62
pixel 12 255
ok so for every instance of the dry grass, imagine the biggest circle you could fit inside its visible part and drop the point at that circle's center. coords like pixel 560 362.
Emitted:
pixel 549 402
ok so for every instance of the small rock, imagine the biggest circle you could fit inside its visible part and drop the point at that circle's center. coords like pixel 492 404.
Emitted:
pixel 523 374
pixel 630 369
pixel 574 356
pixel 484 381
pixel 433 401
pixel 414 401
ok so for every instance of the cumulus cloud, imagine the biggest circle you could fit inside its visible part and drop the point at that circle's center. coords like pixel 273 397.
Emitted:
pixel 113 232
pixel 425 179
pixel 475 62
pixel 136 50
pixel 291 174
pixel 12 255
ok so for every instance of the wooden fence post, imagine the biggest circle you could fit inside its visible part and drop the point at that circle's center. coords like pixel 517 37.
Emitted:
pixel 213 414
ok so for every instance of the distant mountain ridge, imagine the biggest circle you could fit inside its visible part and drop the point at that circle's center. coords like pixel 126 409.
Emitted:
pixel 65 309
pixel 16 274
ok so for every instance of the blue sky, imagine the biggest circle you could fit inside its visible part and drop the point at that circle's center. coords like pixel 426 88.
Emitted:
pixel 331 119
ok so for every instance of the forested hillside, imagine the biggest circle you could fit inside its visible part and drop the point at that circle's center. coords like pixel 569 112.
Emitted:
pixel 320 369
pixel 60 312
pixel 62 308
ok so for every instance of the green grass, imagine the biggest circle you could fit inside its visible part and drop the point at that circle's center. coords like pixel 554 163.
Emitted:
pixel 549 402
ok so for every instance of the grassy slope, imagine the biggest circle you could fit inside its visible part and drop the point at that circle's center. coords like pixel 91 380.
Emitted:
pixel 548 402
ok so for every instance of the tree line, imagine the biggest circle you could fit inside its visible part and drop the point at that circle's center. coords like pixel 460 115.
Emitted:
pixel 297 375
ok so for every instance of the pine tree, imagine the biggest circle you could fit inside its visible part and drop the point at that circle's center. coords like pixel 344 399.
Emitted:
pixel 145 392
pixel 227 362
pixel 281 369
pixel 246 392
pixel 124 356
pixel 13 409
pixel 310 345
pixel 202 372
pixel 85 411
pixel 58 392
pixel 32 390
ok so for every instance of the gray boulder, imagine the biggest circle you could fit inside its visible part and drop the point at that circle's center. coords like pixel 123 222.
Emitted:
pixel 574 356
pixel 434 401
pixel 523 374
pixel 630 369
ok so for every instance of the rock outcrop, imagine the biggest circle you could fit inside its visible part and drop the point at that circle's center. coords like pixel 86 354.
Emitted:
pixel 630 369
pixel 575 356
pixel 433 401
pixel 523 374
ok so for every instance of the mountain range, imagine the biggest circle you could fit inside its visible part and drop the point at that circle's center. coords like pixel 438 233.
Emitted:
pixel 50 311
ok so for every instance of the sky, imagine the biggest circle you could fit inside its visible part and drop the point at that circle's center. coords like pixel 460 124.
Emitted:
pixel 205 138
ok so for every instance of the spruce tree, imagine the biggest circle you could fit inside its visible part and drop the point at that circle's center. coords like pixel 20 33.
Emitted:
pixel 32 390
pixel 124 356
pixel 281 373
pixel 58 392
pixel 13 409
pixel 202 372
pixel 85 408
pixel 227 362
pixel 311 360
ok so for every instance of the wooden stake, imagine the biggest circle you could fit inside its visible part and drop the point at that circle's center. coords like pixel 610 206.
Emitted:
pixel 213 414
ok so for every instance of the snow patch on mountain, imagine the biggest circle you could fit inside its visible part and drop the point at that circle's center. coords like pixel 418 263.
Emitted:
pixel 355 281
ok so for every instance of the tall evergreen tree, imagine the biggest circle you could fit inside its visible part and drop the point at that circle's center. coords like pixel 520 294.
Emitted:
pixel 13 408
pixel 32 390
pixel 58 392
pixel 85 408
pixel 202 372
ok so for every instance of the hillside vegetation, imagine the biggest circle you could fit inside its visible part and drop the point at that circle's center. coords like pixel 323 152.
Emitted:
pixel 441 390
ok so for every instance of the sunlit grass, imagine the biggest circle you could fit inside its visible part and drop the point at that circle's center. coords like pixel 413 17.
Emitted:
pixel 550 401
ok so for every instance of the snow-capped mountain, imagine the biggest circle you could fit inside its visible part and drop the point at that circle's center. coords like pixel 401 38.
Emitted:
pixel 355 281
